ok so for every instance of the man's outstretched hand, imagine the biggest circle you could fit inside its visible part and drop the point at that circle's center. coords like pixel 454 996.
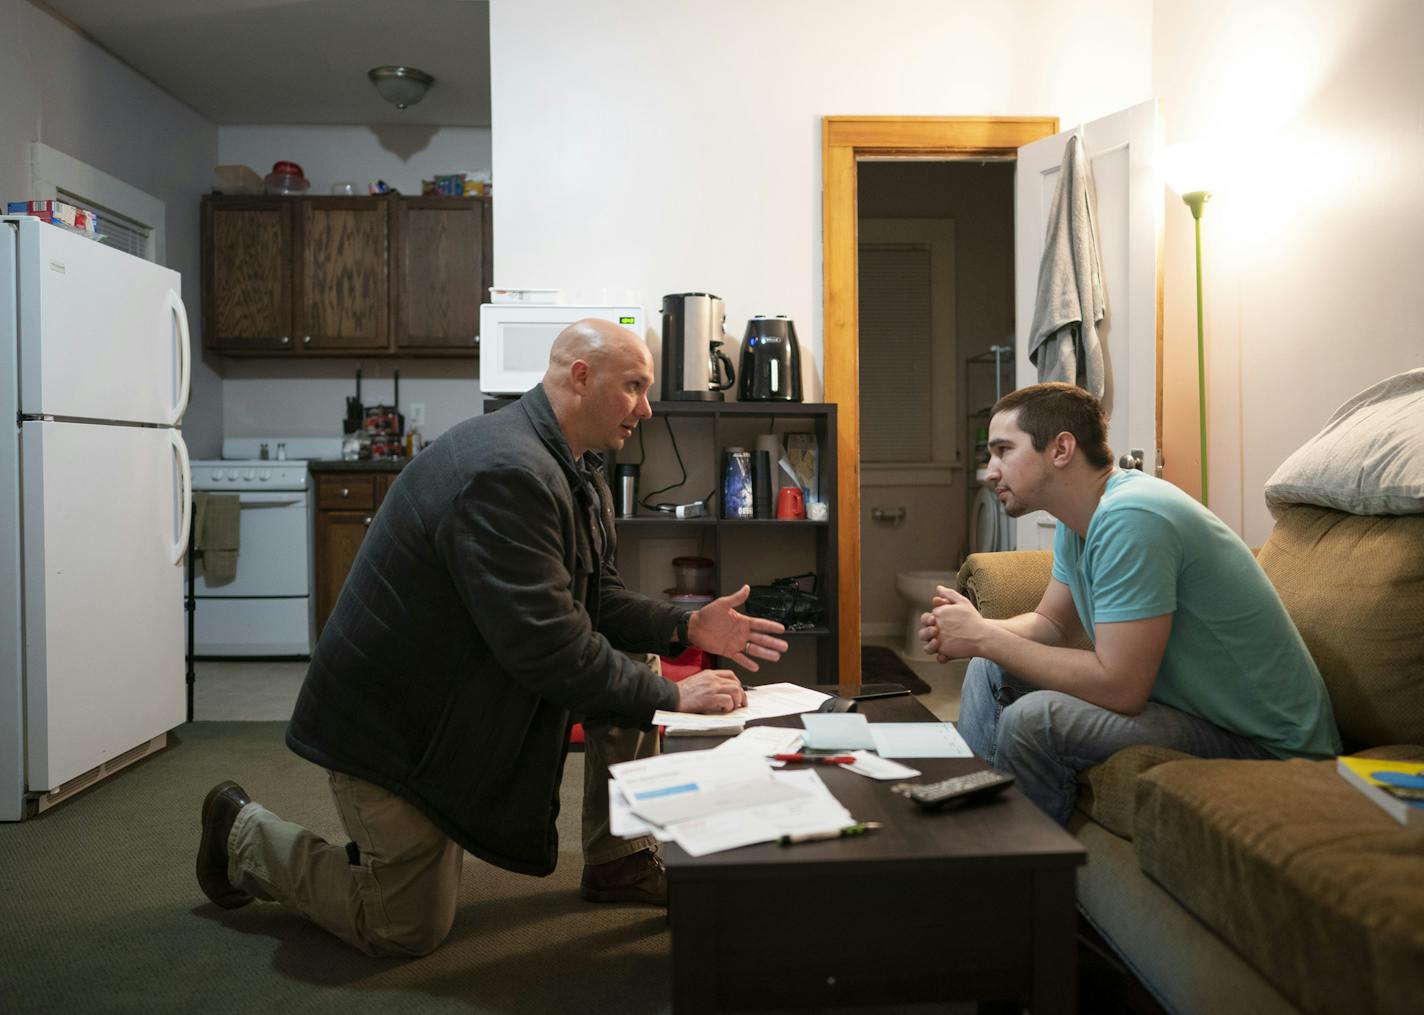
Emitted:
pixel 713 691
pixel 718 628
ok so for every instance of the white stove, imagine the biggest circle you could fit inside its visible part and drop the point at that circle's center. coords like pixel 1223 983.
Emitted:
pixel 266 610
pixel 252 474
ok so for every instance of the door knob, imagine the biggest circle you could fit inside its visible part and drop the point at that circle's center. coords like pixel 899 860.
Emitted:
pixel 1131 460
pixel 894 517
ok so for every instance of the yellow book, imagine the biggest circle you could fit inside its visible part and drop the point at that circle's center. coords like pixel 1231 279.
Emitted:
pixel 1393 792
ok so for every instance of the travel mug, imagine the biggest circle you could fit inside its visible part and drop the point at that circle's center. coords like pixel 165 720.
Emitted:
pixel 737 483
pixel 762 505
pixel 625 491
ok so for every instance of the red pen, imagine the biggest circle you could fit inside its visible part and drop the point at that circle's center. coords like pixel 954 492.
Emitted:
pixel 816 759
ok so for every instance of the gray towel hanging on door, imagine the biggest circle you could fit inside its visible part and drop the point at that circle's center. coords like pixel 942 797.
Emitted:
pixel 1063 342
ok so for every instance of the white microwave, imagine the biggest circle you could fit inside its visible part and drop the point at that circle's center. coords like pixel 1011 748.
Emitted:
pixel 515 339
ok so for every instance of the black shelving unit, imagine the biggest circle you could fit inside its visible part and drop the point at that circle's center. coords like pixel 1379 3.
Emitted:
pixel 737 423
pixel 810 545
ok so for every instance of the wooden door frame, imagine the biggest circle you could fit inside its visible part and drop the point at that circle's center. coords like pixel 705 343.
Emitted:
pixel 844 141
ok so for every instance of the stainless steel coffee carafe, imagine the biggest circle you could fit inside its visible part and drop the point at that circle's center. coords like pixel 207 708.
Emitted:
pixel 694 366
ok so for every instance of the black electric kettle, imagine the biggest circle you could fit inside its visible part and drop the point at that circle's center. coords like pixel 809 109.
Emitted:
pixel 771 361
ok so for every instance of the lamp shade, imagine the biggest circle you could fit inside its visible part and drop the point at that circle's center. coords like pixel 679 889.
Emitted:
pixel 1189 168
pixel 400 86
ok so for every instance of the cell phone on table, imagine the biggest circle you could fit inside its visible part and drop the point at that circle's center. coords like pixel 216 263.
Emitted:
pixel 862 692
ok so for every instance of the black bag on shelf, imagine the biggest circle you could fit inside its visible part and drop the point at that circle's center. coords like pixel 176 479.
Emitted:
pixel 787 603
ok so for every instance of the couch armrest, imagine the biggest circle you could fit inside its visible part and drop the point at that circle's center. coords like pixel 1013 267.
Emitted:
pixel 1003 585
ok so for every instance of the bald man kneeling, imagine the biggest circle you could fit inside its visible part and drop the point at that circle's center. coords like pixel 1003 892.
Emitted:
pixel 482 616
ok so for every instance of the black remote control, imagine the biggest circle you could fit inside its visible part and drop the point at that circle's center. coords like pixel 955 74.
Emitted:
pixel 976 785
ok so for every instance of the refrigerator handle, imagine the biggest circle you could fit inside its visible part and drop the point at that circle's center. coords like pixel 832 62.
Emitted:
pixel 185 471
pixel 185 366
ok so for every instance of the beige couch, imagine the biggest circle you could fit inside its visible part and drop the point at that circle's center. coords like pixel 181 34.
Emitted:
pixel 1263 886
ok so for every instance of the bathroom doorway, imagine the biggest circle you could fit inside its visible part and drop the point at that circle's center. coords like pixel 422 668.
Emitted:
pixel 935 243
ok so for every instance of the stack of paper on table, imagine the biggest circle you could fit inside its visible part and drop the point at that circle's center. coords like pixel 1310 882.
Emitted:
pixel 707 801
pixel 765 702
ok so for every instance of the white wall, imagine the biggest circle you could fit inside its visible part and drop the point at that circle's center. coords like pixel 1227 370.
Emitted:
pixel 400 154
pixel 1312 241
pixel 61 89
pixel 661 148
pixel 307 398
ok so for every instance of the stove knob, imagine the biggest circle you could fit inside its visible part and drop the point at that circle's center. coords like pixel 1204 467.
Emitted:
pixel 219 475
pixel 248 475
pixel 265 475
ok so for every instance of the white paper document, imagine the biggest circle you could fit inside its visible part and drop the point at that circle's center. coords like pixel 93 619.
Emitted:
pixel 765 702
pixel 762 742
pixel 918 740
pixel 873 767
pixel 836 731
pixel 812 810
pixel 693 784
pixel 621 819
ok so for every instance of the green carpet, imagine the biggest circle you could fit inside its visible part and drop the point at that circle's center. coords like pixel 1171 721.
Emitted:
pixel 99 911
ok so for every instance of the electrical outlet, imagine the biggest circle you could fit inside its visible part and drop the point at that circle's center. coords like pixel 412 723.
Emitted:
pixel 415 414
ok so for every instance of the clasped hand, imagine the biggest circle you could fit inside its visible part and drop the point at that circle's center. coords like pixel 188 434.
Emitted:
pixel 951 627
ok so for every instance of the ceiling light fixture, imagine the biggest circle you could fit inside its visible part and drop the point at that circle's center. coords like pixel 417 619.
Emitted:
pixel 400 86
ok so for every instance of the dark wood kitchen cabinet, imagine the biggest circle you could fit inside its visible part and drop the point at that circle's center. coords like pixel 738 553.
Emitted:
pixel 342 276
pixel 247 274
pixel 343 273
pixel 443 272
pixel 346 503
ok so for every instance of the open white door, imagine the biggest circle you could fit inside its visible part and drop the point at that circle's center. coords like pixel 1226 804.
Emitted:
pixel 1123 150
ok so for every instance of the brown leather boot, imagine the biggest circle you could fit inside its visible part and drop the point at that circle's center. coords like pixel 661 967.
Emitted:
pixel 220 810
pixel 637 877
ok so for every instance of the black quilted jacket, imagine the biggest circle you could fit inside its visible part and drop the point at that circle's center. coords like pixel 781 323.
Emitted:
pixel 478 619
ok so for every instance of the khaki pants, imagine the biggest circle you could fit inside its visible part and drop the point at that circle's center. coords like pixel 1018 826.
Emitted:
pixel 399 899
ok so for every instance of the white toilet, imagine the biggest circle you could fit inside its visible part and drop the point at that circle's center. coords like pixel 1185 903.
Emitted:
pixel 917 588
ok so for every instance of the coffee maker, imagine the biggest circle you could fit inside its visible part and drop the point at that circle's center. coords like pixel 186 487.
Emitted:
pixel 771 361
pixel 694 367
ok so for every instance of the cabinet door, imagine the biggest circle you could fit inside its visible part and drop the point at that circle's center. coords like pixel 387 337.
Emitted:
pixel 247 274
pixel 440 273
pixel 343 276
pixel 383 485
pixel 338 537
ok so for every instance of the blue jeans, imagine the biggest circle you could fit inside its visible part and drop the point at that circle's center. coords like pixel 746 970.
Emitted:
pixel 1045 738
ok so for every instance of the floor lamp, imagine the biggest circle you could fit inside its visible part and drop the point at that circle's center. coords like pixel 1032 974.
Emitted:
pixel 1196 199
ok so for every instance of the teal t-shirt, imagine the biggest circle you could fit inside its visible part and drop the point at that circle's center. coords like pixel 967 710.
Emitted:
pixel 1233 658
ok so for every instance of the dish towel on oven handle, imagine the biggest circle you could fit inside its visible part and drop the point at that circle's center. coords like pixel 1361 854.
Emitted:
pixel 216 524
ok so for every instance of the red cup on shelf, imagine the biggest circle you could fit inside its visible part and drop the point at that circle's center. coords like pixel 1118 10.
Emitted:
pixel 790 503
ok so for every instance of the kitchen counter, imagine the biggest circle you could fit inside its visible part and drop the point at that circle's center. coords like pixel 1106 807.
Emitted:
pixel 367 465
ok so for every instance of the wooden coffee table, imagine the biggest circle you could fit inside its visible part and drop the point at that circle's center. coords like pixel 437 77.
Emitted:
pixel 968 904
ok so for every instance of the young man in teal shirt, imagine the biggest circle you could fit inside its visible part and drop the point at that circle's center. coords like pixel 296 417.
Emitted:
pixel 1192 648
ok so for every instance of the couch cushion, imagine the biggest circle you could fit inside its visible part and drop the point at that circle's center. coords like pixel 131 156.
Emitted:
pixel 1354 585
pixel 1107 792
pixel 1311 882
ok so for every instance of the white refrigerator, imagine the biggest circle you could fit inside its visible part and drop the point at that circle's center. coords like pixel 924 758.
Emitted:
pixel 95 496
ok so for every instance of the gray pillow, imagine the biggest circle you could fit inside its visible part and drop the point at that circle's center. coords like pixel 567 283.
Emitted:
pixel 1369 459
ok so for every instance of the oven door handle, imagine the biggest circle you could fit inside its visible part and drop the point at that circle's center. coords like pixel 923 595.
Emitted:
pixel 263 500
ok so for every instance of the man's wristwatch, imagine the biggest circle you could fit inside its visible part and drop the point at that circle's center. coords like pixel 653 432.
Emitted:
pixel 680 632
